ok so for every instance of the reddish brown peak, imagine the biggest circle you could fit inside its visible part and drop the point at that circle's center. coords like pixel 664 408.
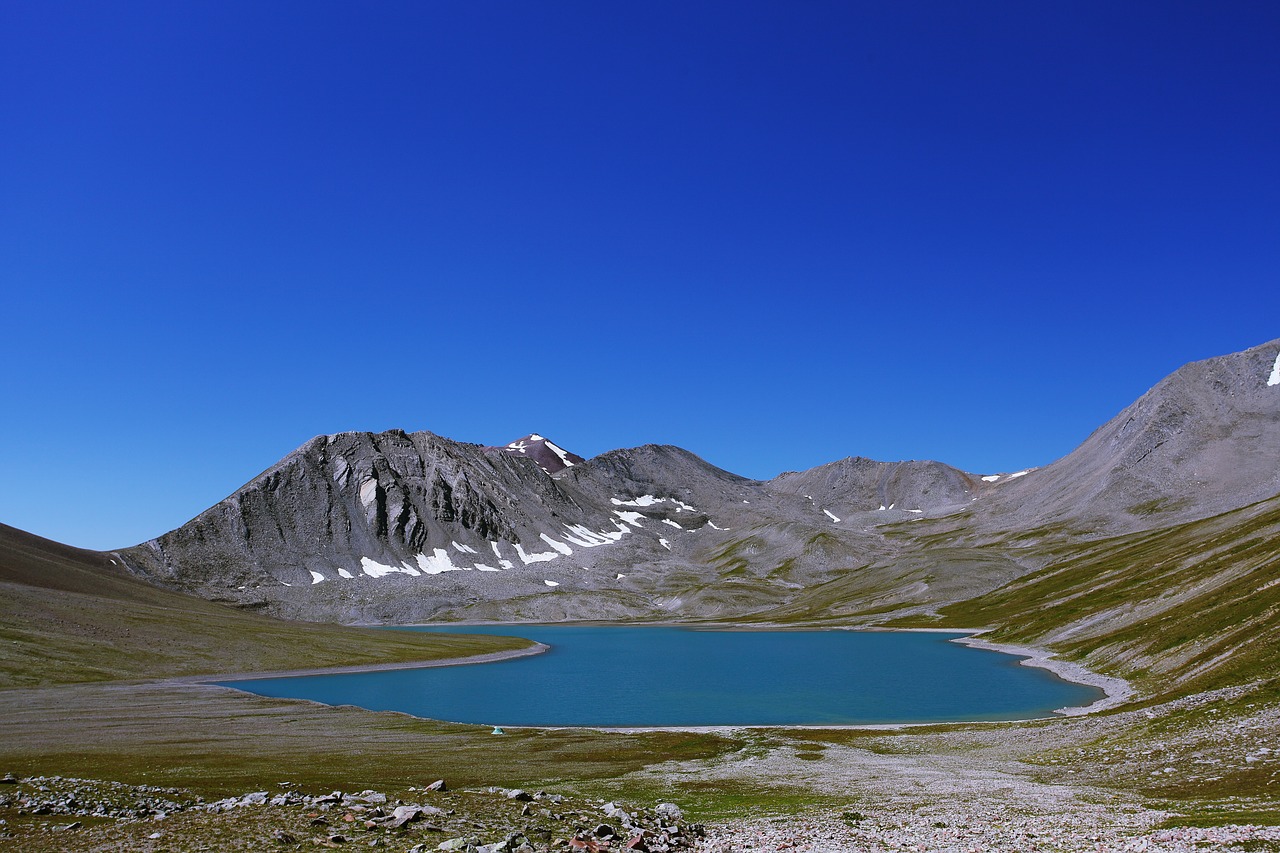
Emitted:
pixel 548 455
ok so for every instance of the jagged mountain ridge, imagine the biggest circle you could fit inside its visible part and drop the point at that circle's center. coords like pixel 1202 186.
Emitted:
pixel 399 527
pixel 360 520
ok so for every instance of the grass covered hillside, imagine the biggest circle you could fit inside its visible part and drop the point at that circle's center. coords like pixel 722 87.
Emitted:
pixel 69 615
pixel 1179 610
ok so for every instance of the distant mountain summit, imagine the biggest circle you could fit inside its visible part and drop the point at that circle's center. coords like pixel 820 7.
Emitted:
pixel 549 456
pixel 1204 440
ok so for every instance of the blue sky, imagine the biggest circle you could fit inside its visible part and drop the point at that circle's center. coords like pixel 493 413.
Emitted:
pixel 776 234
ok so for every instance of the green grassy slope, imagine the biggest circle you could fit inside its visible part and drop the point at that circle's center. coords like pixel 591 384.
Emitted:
pixel 68 615
pixel 218 741
pixel 1188 608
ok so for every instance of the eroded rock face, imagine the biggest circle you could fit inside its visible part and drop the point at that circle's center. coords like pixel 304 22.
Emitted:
pixel 396 527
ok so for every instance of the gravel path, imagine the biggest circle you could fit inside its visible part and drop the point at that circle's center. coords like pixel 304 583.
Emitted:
pixel 955 792
pixel 977 831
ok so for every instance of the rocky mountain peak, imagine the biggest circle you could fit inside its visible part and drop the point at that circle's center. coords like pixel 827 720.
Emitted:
pixel 548 455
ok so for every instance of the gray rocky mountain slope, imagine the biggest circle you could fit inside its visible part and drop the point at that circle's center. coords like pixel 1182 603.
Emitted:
pixel 1203 441
pixel 396 527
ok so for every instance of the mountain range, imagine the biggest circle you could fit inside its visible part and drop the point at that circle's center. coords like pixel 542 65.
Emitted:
pixel 398 527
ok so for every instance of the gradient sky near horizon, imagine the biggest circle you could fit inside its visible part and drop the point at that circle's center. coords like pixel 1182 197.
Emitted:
pixel 776 234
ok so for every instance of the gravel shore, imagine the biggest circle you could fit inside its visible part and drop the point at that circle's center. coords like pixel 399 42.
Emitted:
pixel 1117 691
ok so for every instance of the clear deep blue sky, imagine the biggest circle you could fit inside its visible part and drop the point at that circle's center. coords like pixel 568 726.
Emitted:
pixel 776 234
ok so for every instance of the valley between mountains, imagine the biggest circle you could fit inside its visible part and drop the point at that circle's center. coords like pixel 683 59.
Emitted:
pixel 1151 554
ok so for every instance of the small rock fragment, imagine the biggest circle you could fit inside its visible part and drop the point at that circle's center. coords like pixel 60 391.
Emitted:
pixel 668 811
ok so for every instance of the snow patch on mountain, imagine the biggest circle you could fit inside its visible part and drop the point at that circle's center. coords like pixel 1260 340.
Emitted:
pixel 559 546
pixel 437 563
pixel 374 569
pixel 643 500
pixel 564 455
pixel 1274 378
pixel 651 500
pixel 537 557
pixel 831 515
pixel 316 577
pixel 586 537
pixel 504 563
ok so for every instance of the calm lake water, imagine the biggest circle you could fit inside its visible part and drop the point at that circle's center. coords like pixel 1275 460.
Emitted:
pixel 663 676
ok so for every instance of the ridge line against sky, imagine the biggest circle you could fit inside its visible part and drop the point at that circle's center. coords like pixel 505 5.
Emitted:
pixel 774 236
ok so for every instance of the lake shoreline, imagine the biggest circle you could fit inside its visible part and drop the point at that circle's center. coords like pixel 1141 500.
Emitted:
pixel 1116 691
pixel 491 657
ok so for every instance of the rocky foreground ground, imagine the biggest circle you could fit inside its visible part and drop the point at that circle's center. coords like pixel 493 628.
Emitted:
pixel 1194 774
pixel 55 813
pixel 58 813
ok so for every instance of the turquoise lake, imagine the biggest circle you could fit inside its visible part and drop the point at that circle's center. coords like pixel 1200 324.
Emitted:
pixel 665 676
